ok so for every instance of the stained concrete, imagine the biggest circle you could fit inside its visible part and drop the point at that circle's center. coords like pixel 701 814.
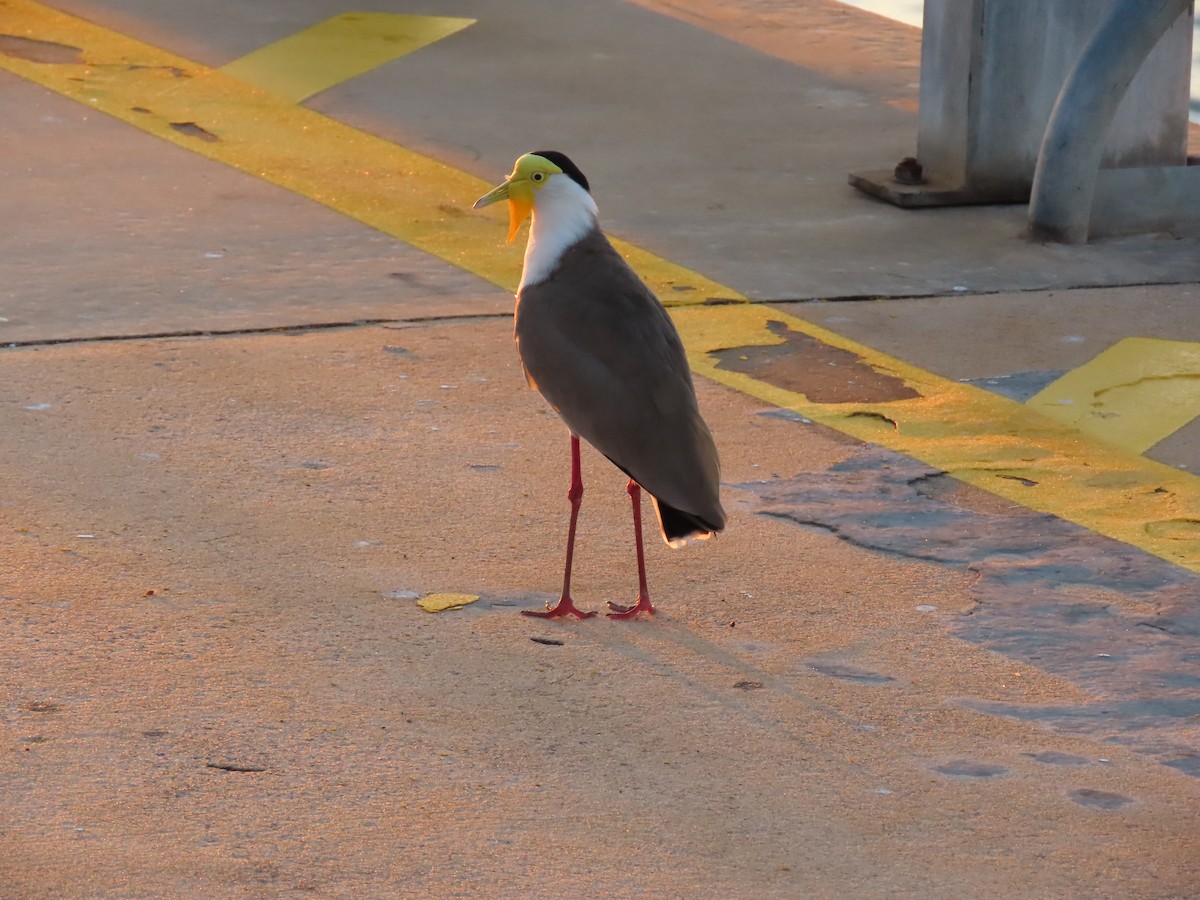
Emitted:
pixel 1016 344
pixel 218 681
pixel 123 234
pixel 1110 618
pixel 732 162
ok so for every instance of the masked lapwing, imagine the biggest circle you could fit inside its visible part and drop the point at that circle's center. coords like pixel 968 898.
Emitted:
pixel 601 349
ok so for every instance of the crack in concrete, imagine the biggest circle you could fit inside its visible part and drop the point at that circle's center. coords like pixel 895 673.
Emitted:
pixel 941 295
pixel 253 330
pixel 1146 379
pixel 855 541
pixel 301 327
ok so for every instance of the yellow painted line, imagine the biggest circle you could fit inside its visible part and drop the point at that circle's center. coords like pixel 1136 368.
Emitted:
pixel 337 50
pixel 978 437
pixel 1134 394
pixel 404 194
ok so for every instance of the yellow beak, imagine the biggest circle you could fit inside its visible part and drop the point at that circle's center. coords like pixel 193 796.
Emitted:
pixel 519 195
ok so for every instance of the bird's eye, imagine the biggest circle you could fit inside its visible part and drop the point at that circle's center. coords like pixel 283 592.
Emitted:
pixel 537 177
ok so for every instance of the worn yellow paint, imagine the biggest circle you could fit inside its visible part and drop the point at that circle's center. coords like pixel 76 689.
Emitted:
pixel 405 194
pixel 338 49
pixel 1134 394
pixel 981 438
pixel 436 603
pixel 976 436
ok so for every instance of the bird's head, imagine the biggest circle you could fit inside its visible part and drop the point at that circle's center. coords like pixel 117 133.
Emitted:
pixel 530 174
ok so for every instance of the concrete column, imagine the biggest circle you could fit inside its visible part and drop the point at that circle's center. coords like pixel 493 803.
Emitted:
pixel 991 71
pixel 1073 146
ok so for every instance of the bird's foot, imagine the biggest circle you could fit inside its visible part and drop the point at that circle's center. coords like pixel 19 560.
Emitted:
pixel 564 607
pixel 628 612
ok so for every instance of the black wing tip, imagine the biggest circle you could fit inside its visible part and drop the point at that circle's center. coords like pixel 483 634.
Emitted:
pixel 569 168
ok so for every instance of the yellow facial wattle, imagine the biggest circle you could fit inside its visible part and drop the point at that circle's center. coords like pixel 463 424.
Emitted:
pixel 520 206
pixel 529 174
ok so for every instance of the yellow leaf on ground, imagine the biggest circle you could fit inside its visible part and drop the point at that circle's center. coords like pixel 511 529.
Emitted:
pixel 440 602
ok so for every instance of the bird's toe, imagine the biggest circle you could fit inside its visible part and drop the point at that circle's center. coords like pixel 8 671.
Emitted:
pixel 564 607
pixel 620 611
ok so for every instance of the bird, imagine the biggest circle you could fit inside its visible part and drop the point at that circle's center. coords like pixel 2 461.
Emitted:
pixel 599 346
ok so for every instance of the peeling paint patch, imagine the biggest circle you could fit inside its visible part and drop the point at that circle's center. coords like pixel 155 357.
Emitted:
pixel 1055 758
pixel 1175 529
pixel 1120 623
pixel 1099 799
pixel 849 673
pixel 39 51
pixel 966 768
pixel 822 373
pixel 191 129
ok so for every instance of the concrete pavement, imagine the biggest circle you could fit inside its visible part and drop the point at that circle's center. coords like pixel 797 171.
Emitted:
pixel 879 682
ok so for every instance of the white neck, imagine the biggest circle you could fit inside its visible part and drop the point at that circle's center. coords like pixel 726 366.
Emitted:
pixel 563 212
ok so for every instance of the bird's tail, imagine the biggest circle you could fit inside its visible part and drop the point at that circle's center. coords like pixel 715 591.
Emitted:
pixel 679 527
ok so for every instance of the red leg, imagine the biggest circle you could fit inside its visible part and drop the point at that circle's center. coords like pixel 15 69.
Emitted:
pixel 565 606
pixel 643 599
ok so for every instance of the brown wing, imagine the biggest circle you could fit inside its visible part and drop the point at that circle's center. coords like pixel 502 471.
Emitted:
pixel 603 352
